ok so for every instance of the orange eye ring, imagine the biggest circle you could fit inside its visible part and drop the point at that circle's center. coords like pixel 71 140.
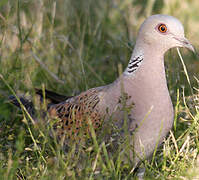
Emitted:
pixel 162 28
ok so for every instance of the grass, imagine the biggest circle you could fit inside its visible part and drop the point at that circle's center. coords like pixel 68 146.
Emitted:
pixel 70 46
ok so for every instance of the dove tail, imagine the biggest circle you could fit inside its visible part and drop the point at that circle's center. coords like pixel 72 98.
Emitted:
pixel 53 97
pixel 26 102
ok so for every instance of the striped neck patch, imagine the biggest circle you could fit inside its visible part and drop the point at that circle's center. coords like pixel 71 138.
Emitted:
pixel 134 64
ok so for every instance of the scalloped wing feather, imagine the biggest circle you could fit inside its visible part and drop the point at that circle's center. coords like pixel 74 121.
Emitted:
pixel 74 114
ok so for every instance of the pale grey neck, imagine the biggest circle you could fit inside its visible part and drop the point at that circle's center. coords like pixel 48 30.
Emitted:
pixel 145 59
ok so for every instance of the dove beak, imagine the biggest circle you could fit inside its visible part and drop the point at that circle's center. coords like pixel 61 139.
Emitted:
pixel 185 43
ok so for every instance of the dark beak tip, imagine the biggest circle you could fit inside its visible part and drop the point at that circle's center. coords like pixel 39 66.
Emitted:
pixel 190 47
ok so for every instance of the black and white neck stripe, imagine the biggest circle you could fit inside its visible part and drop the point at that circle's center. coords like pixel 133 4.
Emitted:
pixel 134 64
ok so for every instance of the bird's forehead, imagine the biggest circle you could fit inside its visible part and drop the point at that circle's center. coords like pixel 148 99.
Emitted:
pixel 172 23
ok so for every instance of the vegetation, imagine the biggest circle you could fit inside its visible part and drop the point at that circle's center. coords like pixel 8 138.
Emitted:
pixel 69 46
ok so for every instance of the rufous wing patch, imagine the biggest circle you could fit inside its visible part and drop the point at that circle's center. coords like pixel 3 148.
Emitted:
pixel 75 113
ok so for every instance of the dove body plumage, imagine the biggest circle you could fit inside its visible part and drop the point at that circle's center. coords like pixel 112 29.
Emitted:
pixel 144 83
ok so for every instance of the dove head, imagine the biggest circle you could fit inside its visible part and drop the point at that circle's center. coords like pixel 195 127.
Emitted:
pixel 163 32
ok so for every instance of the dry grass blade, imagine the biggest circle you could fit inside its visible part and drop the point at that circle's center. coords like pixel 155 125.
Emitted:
pixel 45 67
pixel 184 67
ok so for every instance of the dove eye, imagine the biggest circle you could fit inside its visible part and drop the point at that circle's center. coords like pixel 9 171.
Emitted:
pixel 162 28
